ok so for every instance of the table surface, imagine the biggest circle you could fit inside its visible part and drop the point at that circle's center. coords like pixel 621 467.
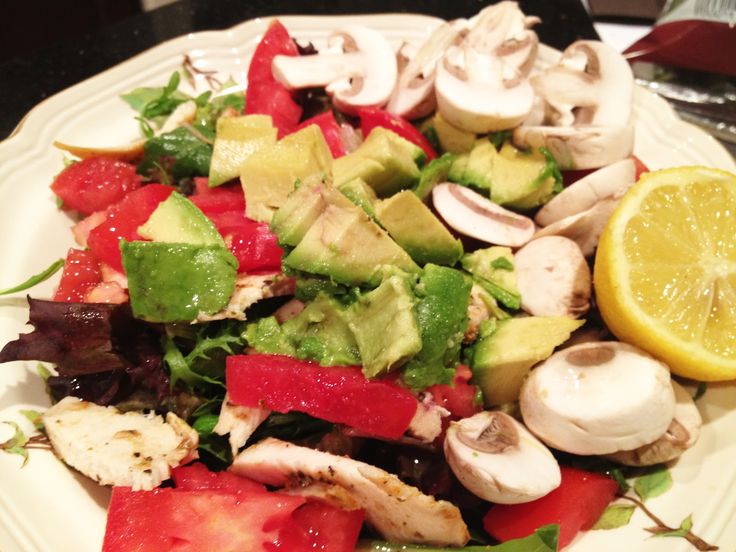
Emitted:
pixel 29 79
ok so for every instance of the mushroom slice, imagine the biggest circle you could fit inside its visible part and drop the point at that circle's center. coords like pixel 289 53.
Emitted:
pixel 553 277
pixel 580 196
pixel 239 422
pixel 681 434
pixel 497 459
pixel 583 228
pixel 362 75
pixel 592 85
pixel 598 398
pixel 124 449
pixel 397 511
pixel 589 147
pixel 481 84
pixel 413 96
pixel 473 215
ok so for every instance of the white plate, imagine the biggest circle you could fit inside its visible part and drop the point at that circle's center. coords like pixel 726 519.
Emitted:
pixel 47 507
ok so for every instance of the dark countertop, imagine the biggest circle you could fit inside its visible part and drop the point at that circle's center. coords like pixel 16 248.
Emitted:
pixel 31 78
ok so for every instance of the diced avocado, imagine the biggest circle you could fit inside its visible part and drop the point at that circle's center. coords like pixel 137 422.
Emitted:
pixel 410 222
pixel 175 282
pixel 307 289
pixel 303 207
pixel 178 220
pixel 442 315
pixel 266 336
pixel 385 161
pixel 451 138
pixel 457 169
pixel 500 361
pixel 269 175
pixel 321 332
pixel 237 138
pixel 493 270
pixel 344 244
pixel 479 169
pixel 435 172
pixel 385 326
pixel 489 301
pixel 523 180
pixel 361 194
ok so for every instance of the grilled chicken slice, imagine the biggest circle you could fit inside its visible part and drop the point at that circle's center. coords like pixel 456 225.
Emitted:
pixel 397 511
pixel 124 449
pixel 239 421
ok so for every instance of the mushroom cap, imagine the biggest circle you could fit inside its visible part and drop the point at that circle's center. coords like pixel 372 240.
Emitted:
pixel 473 215
pixel 553 277
pixel 598 398
pixel 496 458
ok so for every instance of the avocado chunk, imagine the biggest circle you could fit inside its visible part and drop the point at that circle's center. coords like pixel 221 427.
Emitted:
pixel 435 172
pixel 442 314
pixel 266 336
pixel 236 139
pixel 479 167
pixel 321 332
pixel 501 360
pixel 269 175
pixel 347 246
pixel 385 326
pixel 493 269
pixel 385 161
pixel 413 226
pixel 178 220
pixel 524 180
pixel 175 282
pixel 361 194
pixel 451 138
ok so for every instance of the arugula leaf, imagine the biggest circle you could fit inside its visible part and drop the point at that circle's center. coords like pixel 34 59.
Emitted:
pixel 180 369
pixel 551 168
pixel 700 391
pixel 653 484
pixel 498 138
pixel 175 155
pixel 618 475
pixel 35 279
pixel 16 444
pixel 682 531
pixel 615 516
pixel 34 416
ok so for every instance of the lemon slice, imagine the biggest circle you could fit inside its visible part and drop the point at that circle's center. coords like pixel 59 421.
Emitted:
pixel 665 270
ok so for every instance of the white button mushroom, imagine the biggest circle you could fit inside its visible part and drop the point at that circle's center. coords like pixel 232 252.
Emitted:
pixel 473 215
pixel 681 434
pixel 598 398
pixel 362 75
pixel 497 459
pixel 482 83
pixel 553 277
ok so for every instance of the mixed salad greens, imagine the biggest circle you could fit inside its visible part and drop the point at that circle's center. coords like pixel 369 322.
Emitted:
pixel 334 289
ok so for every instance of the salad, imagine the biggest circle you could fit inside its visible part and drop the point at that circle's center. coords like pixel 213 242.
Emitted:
pixel 281 399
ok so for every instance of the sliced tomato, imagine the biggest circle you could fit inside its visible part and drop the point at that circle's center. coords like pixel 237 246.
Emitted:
pixel 460 396
pixel 265 95
pixel 122 222
pixel 228 197
pixel 196 477
pixel 372 117
pixel 575 506
pixel 192 521
pixel 318 526
pixel 81 274
pixel 330 130
pixel 95 183
pixel 339 394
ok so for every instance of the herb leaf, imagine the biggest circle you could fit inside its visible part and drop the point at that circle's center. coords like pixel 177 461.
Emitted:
pixel 615 516
pixel 653 484
pixel 177 154
pixel 35 279
pixel 16 444
pixel 34 416
pixel 682 531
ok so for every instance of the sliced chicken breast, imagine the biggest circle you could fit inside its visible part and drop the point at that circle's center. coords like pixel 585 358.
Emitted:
pixel 239 422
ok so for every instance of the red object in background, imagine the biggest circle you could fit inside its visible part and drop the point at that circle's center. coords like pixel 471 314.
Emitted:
pixel 571 176
pixel 575 506
pixel 338 394
pixel 330 130
pixel 122 222
pixel 81 274
pixel 372 117
pixel 640 167
pixel 264 94
pixel 459 396
pixel 95 183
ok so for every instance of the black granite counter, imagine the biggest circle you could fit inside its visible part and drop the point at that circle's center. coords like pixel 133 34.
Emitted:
pixel 29 79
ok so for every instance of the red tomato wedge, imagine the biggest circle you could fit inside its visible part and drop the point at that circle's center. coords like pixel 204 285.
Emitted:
pixel 95 183
pixel 122 222
pixel 338 394
pixel 330 130
pixel 219 200
pixel 459 396
pixel 81 274
pixel 264 94
pixel 372 117
pixel 575 505
pixel 641 168
pixel 317 526
pixel 196 477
